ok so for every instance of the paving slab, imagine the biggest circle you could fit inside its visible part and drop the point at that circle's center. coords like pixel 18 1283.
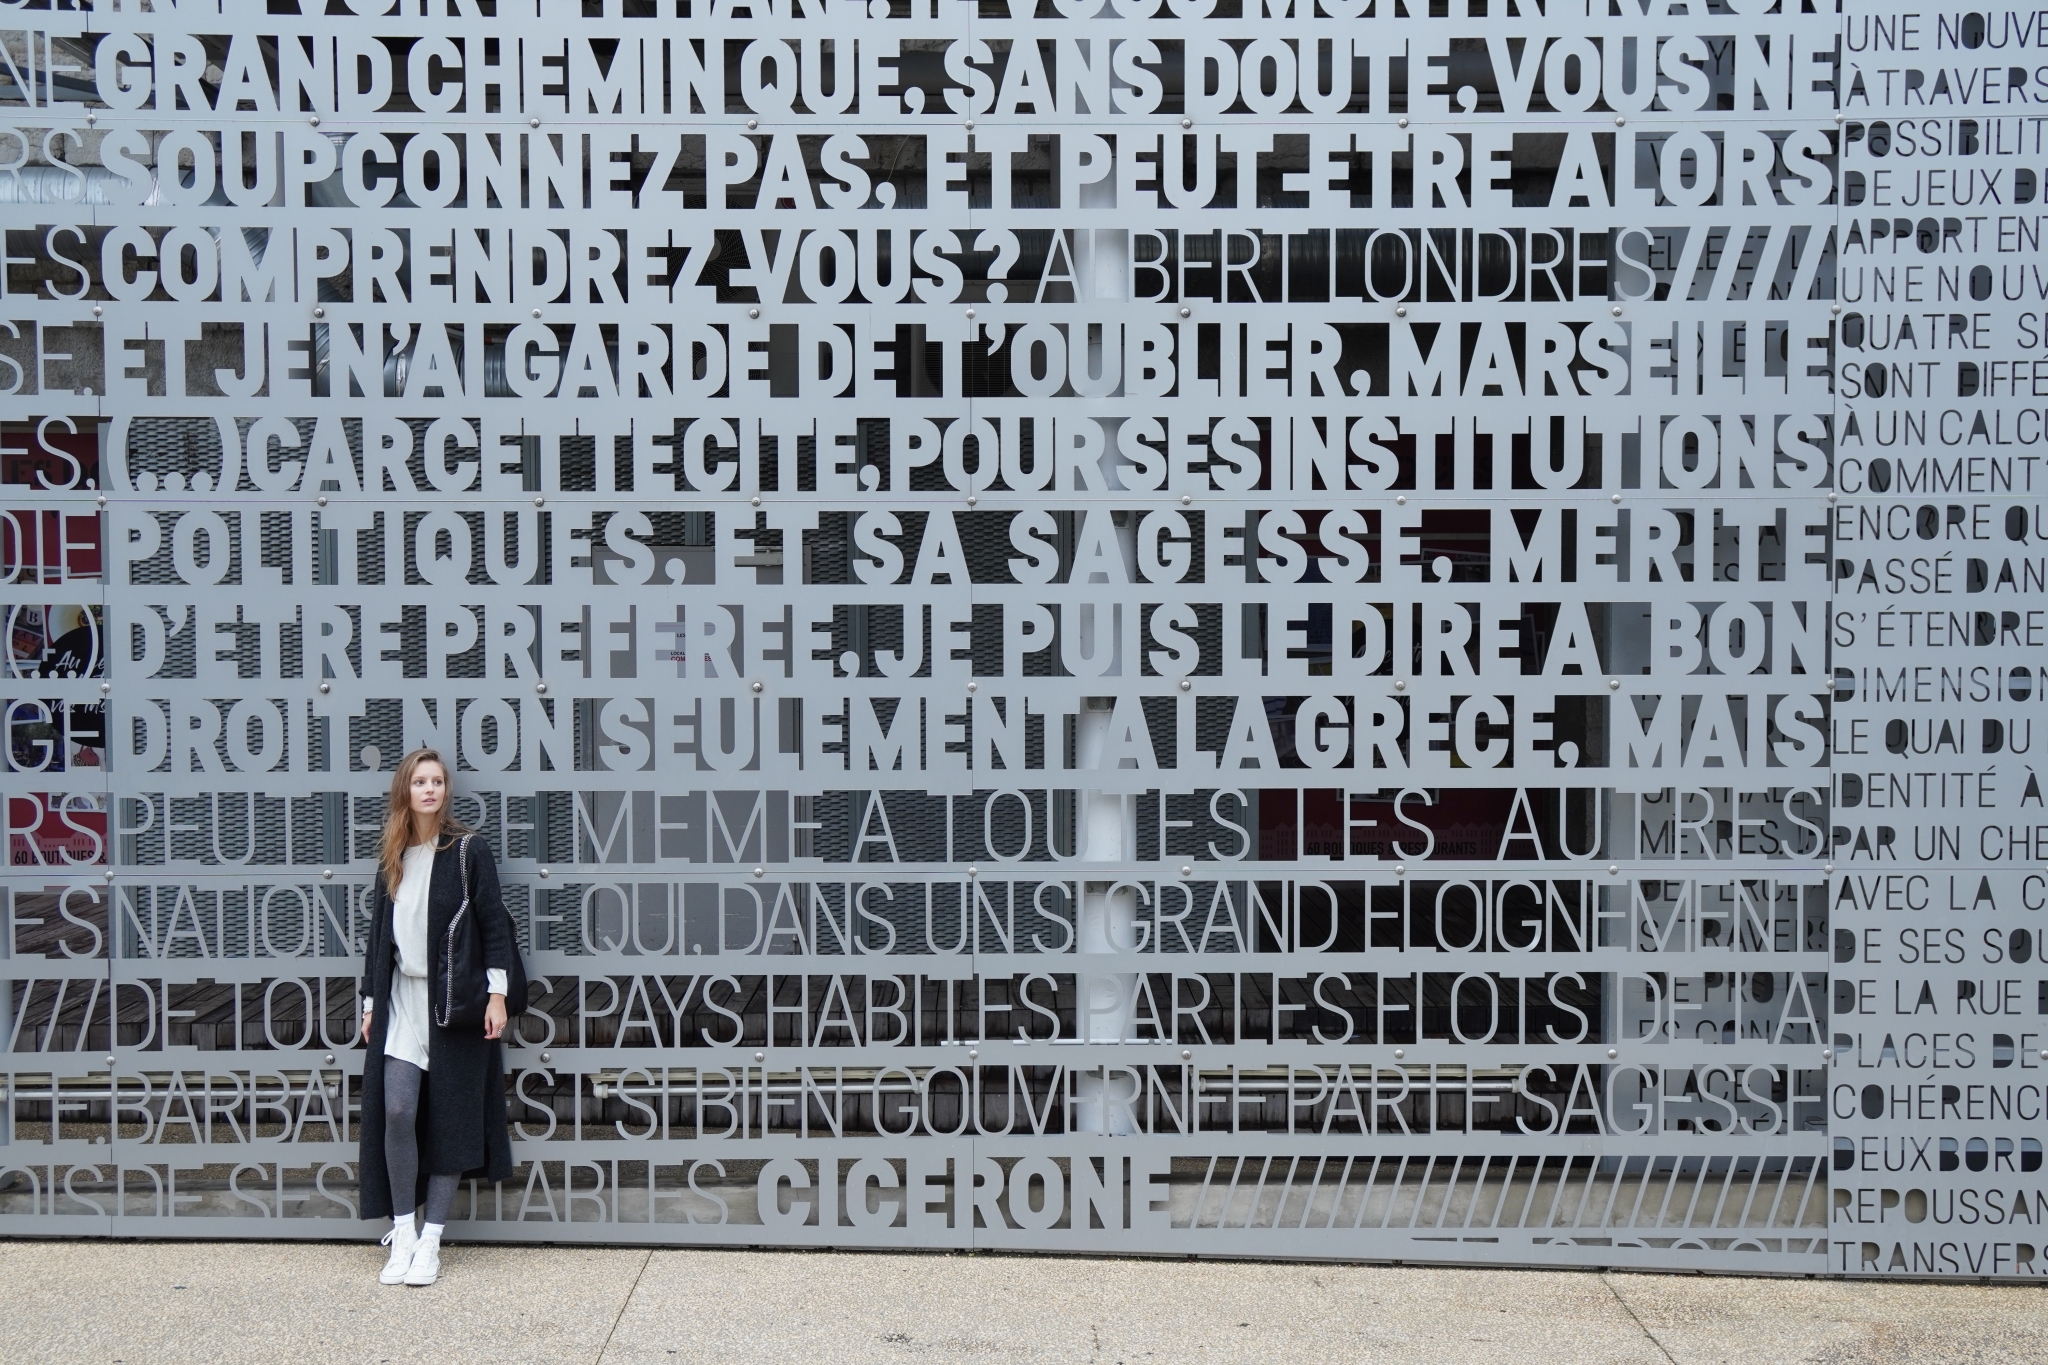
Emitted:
pixel 861 1308
pixel 263 1303
pixel 1705 1320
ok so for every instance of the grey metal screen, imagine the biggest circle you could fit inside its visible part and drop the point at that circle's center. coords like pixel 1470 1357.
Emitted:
pixel 1315 628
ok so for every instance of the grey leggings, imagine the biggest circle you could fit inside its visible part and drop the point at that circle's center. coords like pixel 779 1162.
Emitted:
pixel 402 1082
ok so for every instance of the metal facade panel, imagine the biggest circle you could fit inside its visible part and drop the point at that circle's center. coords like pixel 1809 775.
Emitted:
pixel 1296 628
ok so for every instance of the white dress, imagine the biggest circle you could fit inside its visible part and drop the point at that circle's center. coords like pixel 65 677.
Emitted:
pixel 406 1037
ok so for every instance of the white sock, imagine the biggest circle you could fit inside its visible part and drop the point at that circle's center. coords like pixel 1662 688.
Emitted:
pixel 432 1231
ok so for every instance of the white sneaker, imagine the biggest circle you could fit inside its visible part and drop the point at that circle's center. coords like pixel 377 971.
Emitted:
pixel 402 1239
pixel 426 1259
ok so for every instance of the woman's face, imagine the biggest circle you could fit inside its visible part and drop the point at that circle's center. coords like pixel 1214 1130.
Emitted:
pixel 429 789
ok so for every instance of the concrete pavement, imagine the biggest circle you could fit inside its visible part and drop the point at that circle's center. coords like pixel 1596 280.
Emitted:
pixel 167 1303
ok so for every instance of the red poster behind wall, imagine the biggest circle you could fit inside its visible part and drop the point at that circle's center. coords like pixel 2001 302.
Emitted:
pixel 58 638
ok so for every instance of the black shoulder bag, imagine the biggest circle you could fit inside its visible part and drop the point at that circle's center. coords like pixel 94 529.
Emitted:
pixel 465 987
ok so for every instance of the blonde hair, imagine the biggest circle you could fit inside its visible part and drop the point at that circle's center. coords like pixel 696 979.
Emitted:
pixel 398 821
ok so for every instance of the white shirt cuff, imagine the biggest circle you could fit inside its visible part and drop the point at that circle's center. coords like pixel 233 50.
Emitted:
pixel 494 981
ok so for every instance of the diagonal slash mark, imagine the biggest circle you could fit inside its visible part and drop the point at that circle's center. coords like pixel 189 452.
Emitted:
pixel 1606 1280
pixel 623 1305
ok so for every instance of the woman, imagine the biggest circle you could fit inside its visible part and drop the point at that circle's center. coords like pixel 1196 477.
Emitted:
pixel 434 1083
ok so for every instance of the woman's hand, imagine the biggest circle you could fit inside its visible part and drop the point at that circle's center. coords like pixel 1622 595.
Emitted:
pixel 494 1017
pixel 364 1033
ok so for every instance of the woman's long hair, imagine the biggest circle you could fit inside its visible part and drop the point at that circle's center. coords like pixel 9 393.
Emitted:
pixel 398 829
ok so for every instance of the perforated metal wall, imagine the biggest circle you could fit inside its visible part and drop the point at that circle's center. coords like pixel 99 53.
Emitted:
pixel 1318 628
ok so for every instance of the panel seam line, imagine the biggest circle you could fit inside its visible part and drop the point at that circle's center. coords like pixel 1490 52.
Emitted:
pixel 634 1288
pixel 1606 1279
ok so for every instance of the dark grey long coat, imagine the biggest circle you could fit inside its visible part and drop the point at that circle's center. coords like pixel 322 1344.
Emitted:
pixel 462 1105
